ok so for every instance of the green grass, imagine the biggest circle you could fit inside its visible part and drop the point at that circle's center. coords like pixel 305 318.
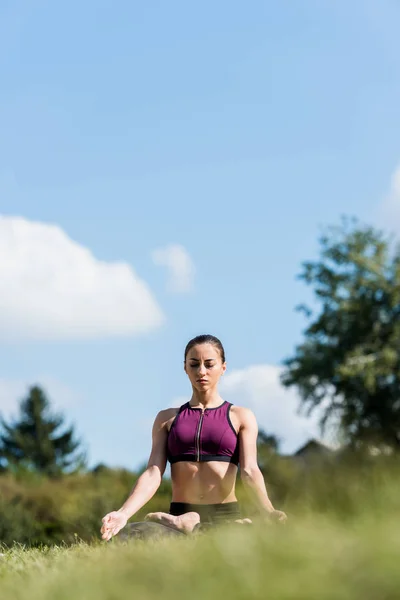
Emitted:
pixel 320 558
pixel 342 541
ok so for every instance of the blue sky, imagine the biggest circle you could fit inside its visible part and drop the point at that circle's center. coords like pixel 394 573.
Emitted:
pixel 231 133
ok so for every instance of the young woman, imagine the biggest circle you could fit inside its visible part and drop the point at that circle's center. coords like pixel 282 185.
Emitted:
pixel 204 440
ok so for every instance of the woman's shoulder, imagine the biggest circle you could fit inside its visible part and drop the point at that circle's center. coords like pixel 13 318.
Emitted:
pixel 167 414
pixel 243 414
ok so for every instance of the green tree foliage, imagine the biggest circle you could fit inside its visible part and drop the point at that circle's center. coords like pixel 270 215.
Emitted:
pixel 268 441
pixel 267 447
pixel 36 441
pixel 36 510
pixel 349 363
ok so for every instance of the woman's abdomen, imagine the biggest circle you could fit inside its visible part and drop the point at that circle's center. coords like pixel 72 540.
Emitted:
pixel 203 483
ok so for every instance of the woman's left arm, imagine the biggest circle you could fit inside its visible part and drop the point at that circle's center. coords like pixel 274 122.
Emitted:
pixel 249 470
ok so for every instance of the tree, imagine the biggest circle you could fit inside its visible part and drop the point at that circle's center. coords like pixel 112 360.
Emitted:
pixel 349 363
pixel 268 441
pixel 267 448
pixel 35 441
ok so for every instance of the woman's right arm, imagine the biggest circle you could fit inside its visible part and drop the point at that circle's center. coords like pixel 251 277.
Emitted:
pixel 147 484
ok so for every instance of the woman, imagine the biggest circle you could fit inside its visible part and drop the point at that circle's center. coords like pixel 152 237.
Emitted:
pixel 204 440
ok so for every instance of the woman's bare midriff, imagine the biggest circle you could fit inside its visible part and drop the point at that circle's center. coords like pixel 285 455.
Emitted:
pixel 203 483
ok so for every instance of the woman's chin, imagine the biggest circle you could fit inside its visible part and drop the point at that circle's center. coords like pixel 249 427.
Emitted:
pixel 202 387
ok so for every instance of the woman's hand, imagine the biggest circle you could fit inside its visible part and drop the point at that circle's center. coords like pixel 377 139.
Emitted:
pixel 113 522
pixel 278 516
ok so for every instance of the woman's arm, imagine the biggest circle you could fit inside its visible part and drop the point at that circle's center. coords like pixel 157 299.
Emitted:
pixel 148 482
pixel 249 470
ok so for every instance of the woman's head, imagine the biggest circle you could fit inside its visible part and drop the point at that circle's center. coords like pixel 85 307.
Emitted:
pixel 204 361
pixel 206 339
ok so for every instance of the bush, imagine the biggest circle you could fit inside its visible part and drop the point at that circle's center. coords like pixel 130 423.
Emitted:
pixel 35 510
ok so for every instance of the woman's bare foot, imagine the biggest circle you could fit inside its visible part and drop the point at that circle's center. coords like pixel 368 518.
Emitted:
pixel 244 521
pixel 185 523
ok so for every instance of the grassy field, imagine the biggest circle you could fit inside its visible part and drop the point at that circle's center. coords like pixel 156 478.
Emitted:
pixel 342 541
pixel 319 558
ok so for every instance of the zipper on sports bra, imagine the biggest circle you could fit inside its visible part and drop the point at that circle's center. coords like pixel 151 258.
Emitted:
pixel 198 434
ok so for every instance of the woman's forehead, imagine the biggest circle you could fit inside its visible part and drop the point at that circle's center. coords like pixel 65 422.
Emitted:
pixel 204 351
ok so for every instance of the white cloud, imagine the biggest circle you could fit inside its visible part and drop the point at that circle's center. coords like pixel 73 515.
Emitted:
pixel 391 205
pixel 179 265
pixel 53 288
pixel 276 408
pixel 12 391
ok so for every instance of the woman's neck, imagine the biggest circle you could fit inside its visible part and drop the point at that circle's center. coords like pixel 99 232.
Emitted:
pixel 207 399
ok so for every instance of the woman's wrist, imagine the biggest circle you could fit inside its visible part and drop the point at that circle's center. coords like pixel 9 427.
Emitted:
pixel 127 513
pixel 269 508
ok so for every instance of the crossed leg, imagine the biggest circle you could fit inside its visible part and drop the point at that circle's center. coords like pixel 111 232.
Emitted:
pixel 185 523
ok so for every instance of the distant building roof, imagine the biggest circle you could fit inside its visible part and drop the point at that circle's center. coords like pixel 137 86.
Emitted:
pixel 314 447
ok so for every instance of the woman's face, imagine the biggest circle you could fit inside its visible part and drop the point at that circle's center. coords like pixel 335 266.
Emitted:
pixel 204 366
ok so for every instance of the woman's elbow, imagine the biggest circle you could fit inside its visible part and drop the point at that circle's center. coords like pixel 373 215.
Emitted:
pixel 156 472
pixel 249 472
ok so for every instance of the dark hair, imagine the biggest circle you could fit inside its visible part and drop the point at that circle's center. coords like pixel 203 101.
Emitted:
pixel 206 339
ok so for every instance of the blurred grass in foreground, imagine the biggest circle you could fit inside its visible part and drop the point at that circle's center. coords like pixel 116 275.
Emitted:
pixel 310 559
pixel 342 541
pixel 320 557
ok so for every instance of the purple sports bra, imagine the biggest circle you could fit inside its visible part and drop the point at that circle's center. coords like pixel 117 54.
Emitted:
pixel 203 436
